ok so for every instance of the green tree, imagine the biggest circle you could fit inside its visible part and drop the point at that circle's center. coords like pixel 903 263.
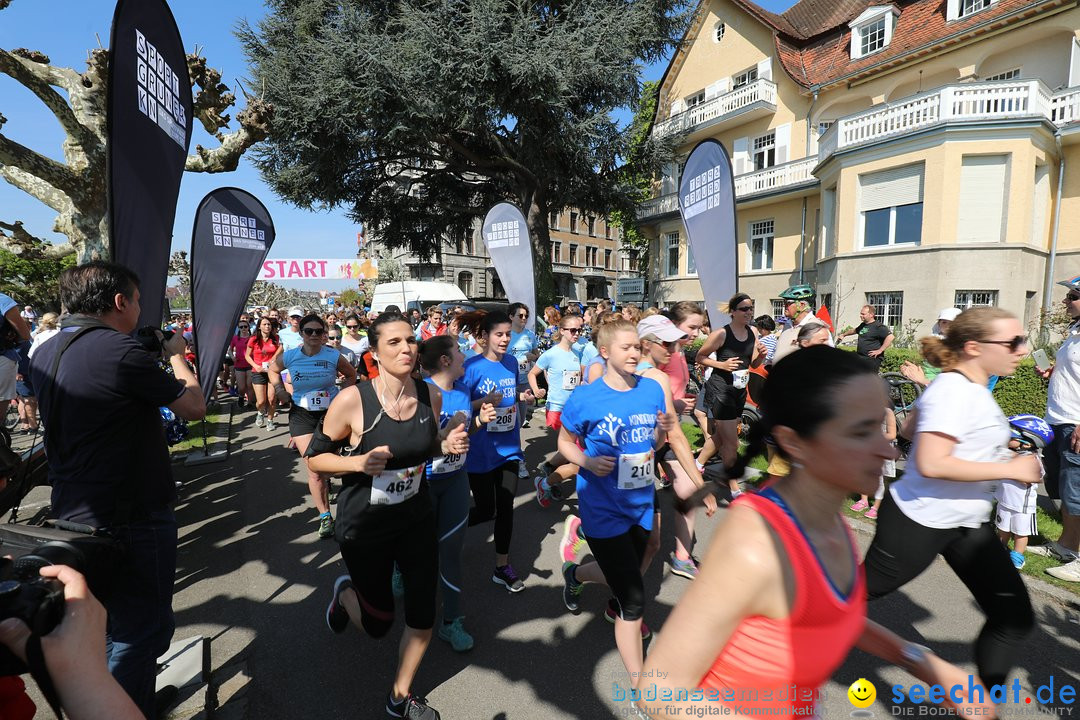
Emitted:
pixel 418 115
pixel 29 271
pixel 642 156
pixel 349 298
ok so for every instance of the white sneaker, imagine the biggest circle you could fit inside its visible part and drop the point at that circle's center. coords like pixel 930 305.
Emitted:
pixel 1069 572
pixel 260 420
pixel 1055 550
pixel 269 424
pixel 523 472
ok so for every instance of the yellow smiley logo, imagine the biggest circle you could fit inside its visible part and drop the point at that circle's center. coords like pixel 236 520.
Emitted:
pixel 862 693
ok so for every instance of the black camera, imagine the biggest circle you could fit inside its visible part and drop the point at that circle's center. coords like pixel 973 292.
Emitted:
pixel 37 601
pixel 148 338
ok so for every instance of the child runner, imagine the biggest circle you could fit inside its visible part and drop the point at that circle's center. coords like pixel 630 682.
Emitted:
pixel 620 420
pixel 491 377
pixel 562 369
pixel 448 481
pixel 386 430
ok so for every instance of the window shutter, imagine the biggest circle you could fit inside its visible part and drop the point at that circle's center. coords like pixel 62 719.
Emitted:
pixel 741 154
pixel 952 9
pixel 764 69
pixel 717 89
pixel 983 184
pixel 896 186
pixel 783 143
pixel 677 106
pixel 1074 64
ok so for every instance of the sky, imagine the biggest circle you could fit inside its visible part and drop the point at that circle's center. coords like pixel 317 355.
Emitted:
pixel 65 29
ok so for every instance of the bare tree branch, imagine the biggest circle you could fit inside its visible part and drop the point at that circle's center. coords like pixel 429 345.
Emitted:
pixel 52 172
pixel 20 241
pixel 36 187
pixel 35 76
pixel 254 127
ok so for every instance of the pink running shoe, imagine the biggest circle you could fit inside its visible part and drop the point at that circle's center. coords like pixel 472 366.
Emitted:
pixel 573 545
pixel 871 513
pixel 859 506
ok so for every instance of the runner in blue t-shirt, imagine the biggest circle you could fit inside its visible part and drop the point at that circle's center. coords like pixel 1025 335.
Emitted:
pixel 448 481
pixel 495 452
pixel 523 348
pixel 313 370
pixel 562 370
pixel 621 420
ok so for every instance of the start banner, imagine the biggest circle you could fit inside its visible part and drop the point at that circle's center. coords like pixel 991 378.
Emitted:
pixel 320 269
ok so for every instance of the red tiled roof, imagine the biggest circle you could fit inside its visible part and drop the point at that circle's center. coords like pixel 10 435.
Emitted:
pixel 813 40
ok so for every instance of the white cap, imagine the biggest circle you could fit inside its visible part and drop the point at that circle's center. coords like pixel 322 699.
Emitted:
pixel 297 311
pixel 948 313
pixel 660 328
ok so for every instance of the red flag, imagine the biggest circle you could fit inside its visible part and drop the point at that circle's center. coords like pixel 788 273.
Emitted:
pixel 823 315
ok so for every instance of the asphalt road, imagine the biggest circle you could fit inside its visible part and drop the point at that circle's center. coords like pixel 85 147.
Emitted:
pixel 255 578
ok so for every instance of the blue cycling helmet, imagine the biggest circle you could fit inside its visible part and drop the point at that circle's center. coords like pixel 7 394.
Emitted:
pixel 1071 283
pixel 1032 432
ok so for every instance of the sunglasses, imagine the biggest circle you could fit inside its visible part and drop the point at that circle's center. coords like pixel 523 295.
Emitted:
pixel 1015 344
pixel 745 308
pixel 244 327
pixel 572 331
pixel 352 327
pixel 523 316
pixel 312 331
pixel 333 337
pixel 1072 297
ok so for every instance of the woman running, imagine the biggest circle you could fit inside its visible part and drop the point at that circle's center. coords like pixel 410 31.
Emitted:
pixel 619 420
pixel 241 366
pixel 354 338
pixel 561 367
pixel 736 350
pixel 448 481
pixel 523 348
pixel 799 603
pixel 386 431
pixel 313 369
pixel 688 318
pixel 943 504
pixel 263 348
pixel 491 377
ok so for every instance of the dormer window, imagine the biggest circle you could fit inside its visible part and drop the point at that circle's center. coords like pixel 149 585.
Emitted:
pixel 872 31
pixel 960 9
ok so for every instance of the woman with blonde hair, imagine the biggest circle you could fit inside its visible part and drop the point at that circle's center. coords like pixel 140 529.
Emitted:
pixel 48 326
pixel 942 507
pixel 550 336
pixel 631 313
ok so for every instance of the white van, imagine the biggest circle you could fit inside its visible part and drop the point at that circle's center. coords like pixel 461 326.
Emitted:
pixel 417 294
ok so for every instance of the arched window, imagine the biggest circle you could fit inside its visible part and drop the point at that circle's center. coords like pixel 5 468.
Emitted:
pixel 465 283
pixel 718 31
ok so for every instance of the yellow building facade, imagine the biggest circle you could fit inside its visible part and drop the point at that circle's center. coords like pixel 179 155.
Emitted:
pixel 909 155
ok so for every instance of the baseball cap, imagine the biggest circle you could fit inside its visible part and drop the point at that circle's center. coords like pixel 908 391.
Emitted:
pixel 658 328
pixel 948 313
pixel 296 310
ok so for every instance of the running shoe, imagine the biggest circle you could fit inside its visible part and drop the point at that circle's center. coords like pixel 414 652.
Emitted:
pixel 557 492
pixel 859 506
pixel 610 616
pixel 397 584
pixel 336 617
pixel 1053 549
pixel 523 471
pixel 260 420
pixel 543 491
pixel 454 633
pixel 270 424
pixel 683 568
pixel 572 546
pixel 1069 572
pixel 506 577
pixel 1017 558
pixel 571 594
pixel 871 514
pixel 665 481
pixel 326 526
pixel 411 708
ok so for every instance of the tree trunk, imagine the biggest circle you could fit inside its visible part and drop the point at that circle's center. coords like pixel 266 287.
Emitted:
pixel 536 218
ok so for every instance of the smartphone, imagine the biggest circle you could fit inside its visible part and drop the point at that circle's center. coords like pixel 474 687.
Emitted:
pixel 1041 361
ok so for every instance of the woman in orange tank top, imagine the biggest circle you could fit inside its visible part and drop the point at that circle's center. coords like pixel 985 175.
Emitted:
pixel 781 596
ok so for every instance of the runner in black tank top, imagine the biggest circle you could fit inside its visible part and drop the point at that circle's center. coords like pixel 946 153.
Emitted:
pixel 736 348
pixel 385 514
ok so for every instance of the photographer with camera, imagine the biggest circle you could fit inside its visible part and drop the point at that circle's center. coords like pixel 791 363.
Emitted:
pixel 109 466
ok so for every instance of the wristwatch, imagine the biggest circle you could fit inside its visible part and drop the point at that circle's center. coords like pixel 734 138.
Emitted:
pixel 912 655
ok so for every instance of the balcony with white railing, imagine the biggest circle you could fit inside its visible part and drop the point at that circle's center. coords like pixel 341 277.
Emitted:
pixel 759 95
pixel 962 103
pixel 777 178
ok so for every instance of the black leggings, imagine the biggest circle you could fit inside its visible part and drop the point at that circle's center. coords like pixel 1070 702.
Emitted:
pixel 620 558
pixel 493 497
pixel 902 549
